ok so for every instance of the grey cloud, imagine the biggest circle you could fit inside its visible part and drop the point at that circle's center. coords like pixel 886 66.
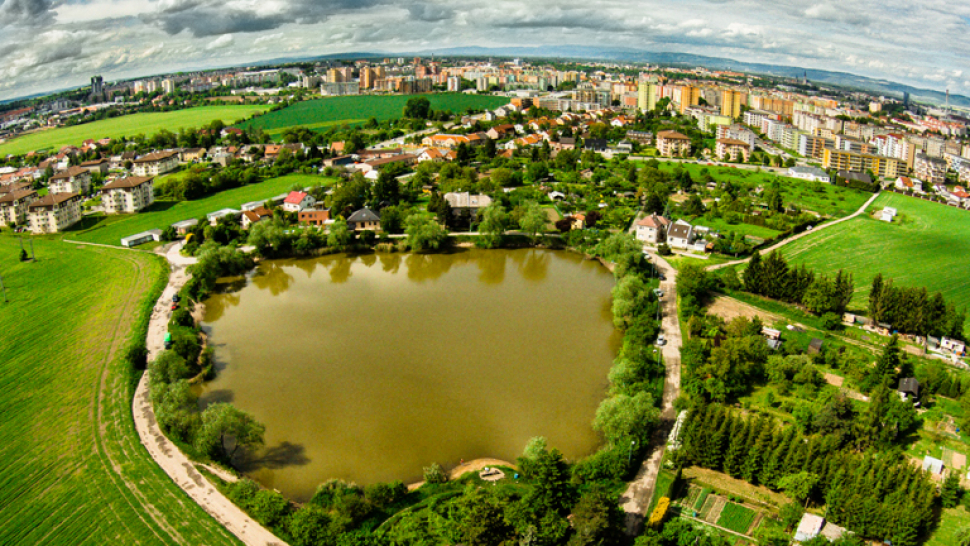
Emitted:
pixel 25 12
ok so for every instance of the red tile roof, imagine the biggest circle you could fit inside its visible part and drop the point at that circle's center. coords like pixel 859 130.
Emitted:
pixel 295 197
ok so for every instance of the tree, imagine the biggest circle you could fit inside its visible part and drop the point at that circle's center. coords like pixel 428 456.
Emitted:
pixel 493 225
pixel 423 232
pixel 267 237
pixel 434 474
pixel 597 519
pixel 417 108
pixel 951 492
pixel 884 373
pixel 533 221
pixel 340 235
pixel 309 526
pixel 226 428
pixel 623 418
pixel 482 519
pixel 799 486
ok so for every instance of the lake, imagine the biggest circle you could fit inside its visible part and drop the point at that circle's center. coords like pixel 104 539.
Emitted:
pixel 369 368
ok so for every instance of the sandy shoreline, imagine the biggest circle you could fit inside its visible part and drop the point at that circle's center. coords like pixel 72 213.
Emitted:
pixel 468 466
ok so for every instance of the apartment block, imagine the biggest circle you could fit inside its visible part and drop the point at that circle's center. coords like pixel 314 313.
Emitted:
pixel 54 212
pixel 128 195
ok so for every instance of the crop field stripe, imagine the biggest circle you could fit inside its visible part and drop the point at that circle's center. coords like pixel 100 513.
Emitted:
pixel 147 124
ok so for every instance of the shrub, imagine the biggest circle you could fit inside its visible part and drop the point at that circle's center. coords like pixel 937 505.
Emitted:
pixel 137 355
pixel 270 507
pixel 664 250
pixel 435 474
pixel 384 494
pixel 831 321
pixel 367 238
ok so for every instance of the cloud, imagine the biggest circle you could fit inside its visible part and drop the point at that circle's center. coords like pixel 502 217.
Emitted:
pixel 25 12
pixel 222 41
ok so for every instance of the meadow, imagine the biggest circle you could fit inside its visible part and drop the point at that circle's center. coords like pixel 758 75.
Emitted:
pixel 322 113
pixel 134 124
pixel 72 468
pixel 109 230
pixel 927 245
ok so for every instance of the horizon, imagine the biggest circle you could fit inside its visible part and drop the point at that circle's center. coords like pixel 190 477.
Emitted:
pixel 51 46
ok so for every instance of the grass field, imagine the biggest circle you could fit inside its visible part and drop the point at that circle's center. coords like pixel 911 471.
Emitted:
pixel 109 230
pixel 928 246
pixel 72 468
pixel 322 113
pixel 951 521
pixel 146 124
pixel 736 518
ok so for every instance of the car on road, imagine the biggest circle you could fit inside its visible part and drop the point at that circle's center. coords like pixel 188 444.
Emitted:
pixel 661 340
pixel 658 292
pixel 176 298
pixel 661 276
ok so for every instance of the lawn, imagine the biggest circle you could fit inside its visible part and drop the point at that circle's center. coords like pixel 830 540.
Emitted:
pixel 320 114
pixel 736 518
pixel 134 124
pixel 951 521
pixel 927 246
pixel 72 467
pixel 109 230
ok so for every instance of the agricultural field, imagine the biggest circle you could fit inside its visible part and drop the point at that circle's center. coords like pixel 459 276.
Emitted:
pixel 926 245
pixel 736 518
pixel 134 124
pixel 72 467
pixel 109 230
pixel 320 114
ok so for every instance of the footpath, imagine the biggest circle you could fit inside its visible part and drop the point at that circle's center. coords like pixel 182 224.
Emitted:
pixel 165 453
pixel 636 499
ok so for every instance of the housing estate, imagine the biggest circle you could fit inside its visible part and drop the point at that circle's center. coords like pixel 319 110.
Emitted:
pixel 73 180
pixel 155 164
pixel 54 212
pixel 129 194
pixel 672 143
pixel 13 206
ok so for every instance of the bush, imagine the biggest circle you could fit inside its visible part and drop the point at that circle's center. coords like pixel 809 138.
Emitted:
pixel 367 238
pixel 385 494
pixel 435 474
pixel 242 493
pixel 310 526
pixel 609 463
pixel 137 355
pixel 831 321
pixel 182 317
pixel 269 507
pixel 664 250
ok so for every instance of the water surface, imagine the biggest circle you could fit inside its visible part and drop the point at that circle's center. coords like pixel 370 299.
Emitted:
pixel 368 368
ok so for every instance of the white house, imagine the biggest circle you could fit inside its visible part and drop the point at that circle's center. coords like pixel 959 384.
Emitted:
pixel 680 234
pixel 652 229
pixel 156 163
pixel 297 201
pixel 812 174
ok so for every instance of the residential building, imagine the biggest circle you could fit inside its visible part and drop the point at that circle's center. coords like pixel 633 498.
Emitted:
pixel 364 219
pixel 297 201
pixel 96 165
pixel 467 201
pixel 813 146
pixel 679 235
pixel 13 206
pixel 737 132
pixel 253 216
pixel 54 212
pixel 672 143
pixel 812 174
pixel 340 88
pixel 314 216
pixel 156 164
pixel 646 96
pixel 732 150
pixel 731 102
pixel 128 195
pixel 930 169
pixel 73 180
pixel 853 161
pixel 189 155
pixel 905 183
pixel 652 229
pixel 850 176
pixel 214 217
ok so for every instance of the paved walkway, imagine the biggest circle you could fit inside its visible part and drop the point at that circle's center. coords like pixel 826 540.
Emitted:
pixel 798 236
pixel 166 454
pixel 636 499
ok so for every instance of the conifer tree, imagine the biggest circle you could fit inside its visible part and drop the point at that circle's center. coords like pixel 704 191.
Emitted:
pixel 753 278
pixel 738 448
pixel 758 452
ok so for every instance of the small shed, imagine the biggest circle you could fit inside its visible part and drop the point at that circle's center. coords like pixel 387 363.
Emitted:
pixel 141 238
pixel 909 387
pixel 815 346
pixel 184 226
pixel 933 465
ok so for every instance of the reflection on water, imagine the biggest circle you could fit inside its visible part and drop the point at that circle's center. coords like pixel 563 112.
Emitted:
pixel 369 367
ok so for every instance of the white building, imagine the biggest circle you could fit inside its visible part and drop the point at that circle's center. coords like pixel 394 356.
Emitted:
pixel 54 212
pixel 73 180
pixel 156 163
pixel 812 174
pixel 652 229
pixel 128 195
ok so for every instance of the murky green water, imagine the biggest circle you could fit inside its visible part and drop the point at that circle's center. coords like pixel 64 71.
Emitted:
pixel 368 368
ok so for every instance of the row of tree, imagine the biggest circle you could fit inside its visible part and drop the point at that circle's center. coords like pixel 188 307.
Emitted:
pixel 877 496
pixel 774 278
pixel 912 310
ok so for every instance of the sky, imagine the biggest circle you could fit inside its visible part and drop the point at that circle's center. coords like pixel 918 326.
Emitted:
pixel 53 44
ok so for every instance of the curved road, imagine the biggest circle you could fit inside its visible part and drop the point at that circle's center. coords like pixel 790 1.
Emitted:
pixel 166 454
pixel 802 234
pixel 639 492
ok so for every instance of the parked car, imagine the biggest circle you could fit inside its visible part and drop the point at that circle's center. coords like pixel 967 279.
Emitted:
pixel 175 305
pixel 661 340
pixel 176 298
pixel 661 276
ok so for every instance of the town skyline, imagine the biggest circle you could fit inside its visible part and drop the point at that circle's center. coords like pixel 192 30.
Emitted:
pixel 49 46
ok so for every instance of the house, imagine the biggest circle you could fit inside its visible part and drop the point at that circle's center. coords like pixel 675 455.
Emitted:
pixel 565 143
pixel 252 205
pixel 375 164
pixel 932 343
pixel 54 212
pixel 815 346
pixel 338 161
pixel 434 154
pixel 954 346
pixel 731 149
pixel 13 206
pixel 672 143
pixel 466 201
pixel 643 137
pixel 908 388
pixel 252 216
pixel 557 196
pixel 812 174
pixel 679 235
pixel 852 176
pixel 772 337
pixel 96 165
pixel 189 155
pixel 596 144
pixel 155 164
pixel 905 183
pixel 500 131
pixel 184 226
pixel 314 216
pixel 652 229
pixel 297 201
pixel 579 221
pixel 364 219
pixel 73 180
pixel 934 466
pixel 141 238
pixel 214 217
pixel 129 194
pixel 812 526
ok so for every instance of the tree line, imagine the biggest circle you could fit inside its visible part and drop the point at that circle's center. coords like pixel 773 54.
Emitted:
pixel 912 310
pixel 772 277
pixel 877 496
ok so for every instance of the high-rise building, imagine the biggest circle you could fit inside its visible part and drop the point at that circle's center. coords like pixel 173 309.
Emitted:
pixel 731 102
pixel 168 86
pixel 646 96
pixel 335 76
pixel 454 84
pixel 97 88
pixel 367 78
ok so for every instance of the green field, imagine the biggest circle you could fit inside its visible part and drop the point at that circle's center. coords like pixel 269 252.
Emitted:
pixel 736 518
pixel 951 521
pixel 109 230
pixel 322 113
pixel 72 468
pixel 145 124
pixel 926 246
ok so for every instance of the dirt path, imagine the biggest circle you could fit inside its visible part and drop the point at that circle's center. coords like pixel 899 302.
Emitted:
pixel 469 466
pixel 798 236
pixel 639 492
pixel 164 452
